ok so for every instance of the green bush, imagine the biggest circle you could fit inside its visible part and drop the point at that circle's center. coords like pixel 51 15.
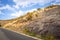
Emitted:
pixel 48 37
pixel 29 33
pixel 29 17
pixel 39 9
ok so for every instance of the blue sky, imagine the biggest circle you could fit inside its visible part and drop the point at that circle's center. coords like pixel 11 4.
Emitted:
pixel 14 8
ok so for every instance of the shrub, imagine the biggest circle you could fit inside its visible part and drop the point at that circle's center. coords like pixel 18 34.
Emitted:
pixel 48 37
pixel 0 25
pixel 29 33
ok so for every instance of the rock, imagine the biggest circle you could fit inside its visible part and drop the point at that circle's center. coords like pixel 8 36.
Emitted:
pixel 50 24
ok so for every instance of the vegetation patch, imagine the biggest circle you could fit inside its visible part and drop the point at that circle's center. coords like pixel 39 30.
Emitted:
pixel 46 37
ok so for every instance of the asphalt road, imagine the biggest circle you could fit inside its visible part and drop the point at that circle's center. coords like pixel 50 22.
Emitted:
pixel 10 35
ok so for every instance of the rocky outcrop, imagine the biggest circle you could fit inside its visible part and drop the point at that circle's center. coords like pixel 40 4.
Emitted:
pixel 49 24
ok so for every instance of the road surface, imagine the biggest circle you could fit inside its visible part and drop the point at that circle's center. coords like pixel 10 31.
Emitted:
pixel 9 35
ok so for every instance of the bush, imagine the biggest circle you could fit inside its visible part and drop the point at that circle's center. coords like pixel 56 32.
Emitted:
pixel 0 25
pixel 48 37
pixel 29 33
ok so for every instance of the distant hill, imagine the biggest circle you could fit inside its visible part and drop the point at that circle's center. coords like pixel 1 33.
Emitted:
pixel 40 22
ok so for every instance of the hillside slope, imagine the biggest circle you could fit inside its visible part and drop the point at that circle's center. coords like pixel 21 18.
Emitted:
pixel 15 24
pixel 48 25
pixel 40 22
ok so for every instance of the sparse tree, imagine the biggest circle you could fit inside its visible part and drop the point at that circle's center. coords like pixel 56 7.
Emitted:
pixel 39 9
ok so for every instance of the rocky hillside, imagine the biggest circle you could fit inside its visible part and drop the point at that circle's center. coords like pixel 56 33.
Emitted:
pixel 40 22
pixel 48 25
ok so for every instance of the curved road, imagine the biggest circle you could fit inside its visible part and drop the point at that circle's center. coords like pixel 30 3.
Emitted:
pixel 9 35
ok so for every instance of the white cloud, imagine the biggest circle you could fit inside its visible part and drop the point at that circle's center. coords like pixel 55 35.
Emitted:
pixel 7 7
pixel 17 14
pixel 31 10
pixel 28 3
pixel 20 13
pixel 57 0
pixel 24 3
pixel 1 13
pixel 16 6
